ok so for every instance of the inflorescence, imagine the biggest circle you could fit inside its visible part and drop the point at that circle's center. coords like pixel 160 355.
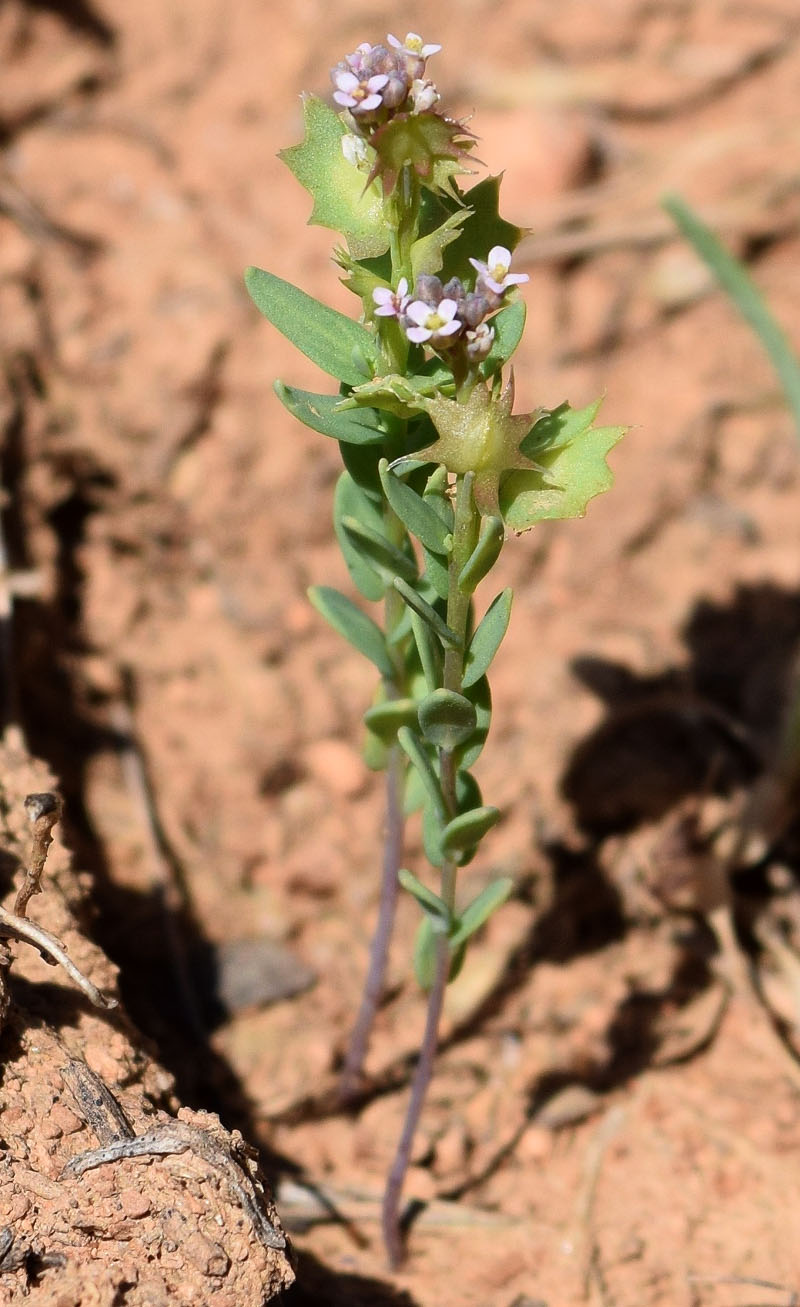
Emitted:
pixel 375 82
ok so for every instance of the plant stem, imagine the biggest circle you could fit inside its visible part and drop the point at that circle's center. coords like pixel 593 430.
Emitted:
pixel 352 1070
pixel 465 530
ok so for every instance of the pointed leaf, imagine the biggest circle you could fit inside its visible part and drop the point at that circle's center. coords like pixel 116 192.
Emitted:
pixel 354 625
pixel 335 343
pixel 357 426
pixel 425 949
pixel 487 639
pixel 385 557
pixel 432 827
pixel 431 904
pixel 482 229
pixel 480 910
pixel 427 253
pixel 415 752
pixel 484 555
pixel 418 516
pixel 342 201
pixel 349 500
pixel 446 719
pixel 468 829
pixel 429 650
pixel 385 719
pixel 571 458
pixel 427 613
pixel 480 695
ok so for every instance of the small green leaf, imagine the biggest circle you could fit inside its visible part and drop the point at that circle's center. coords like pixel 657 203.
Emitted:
pixel 357 426
pixel 483 228
pixel 418 516
pixel 385 719
pixel 508 328
pixel 413 749
pixel 480 910
pixel 349 500
pixel 385 557
pixel 354 625
pixel 431 904
pixel 468 829
pixel 446 719
pixel 375 752
pixel 427 253
pixel 570 455
pixel 429 650
pixel 425 949
pixel 484 555
pixel 428 614
pixel 326 337
pixel 436 572
pixel 342 200
pixel 480 695
pixel 487 639
pixel 432 827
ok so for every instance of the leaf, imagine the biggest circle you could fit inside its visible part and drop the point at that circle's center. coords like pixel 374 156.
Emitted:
pixel 425 949
pixel 342 199
pixel 509 325
pixel 480 696
pixel 319 412
pixel 487 639
pixel 429 650
pixel 335 343
pixel 427 253
pixel 433 906
pixel 385 719
pixel 428 614
pixel 571 458
pixel 480 910
pixel 484 555
pixel 386 558
pixel 418 516
pixel 737 283
pixel 413 749
pixel 468 829
pixel 483 228
pixel 350 501
pixel 354 625
pixel 446 719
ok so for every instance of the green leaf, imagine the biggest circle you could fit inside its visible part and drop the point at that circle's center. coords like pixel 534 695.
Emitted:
pixel 509 325
pixel 385 719
pixel 570 455
pixel 429 650
pixel 354 625
pixel 413 749
pixel 356 426
pixel 425 949
pixel 446 719
pixel 350 501
pixel 431 904
pixel 386 558
pixel 432 828
pixel 428 614
pixel 487 639
pixel 328 338
pixel 480 695
pixel 405 397
pixel 414 512
pixel 468 829
pixel 427 253
pixel 342 199
pixel 480 910
pixel 484 555
pixel 375 752
pixel 483 228
pixel 737 283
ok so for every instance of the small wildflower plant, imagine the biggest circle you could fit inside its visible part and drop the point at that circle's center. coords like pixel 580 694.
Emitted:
pixel 438 470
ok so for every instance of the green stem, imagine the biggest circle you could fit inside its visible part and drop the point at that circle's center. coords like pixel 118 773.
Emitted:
pixel 465 532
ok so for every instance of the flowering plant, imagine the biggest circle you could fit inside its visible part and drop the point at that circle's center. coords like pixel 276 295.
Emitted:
pixel 437 467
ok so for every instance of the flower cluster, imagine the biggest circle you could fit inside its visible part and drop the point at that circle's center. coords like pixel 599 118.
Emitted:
pixel 439 315
pixel 376 81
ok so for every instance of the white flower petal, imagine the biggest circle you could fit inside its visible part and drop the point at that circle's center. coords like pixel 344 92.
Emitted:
pixel 499 254
pixel 449 328
pixel 377 82
pixel 346 81
pixel 418 334
pixel 371 102
pixel 419 312
pixel 402 287
pixel 342 98
pixel 447 309
pixel 516 278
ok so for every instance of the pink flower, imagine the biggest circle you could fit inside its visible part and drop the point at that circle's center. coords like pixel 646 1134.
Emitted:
pixel 495 271
pixel 435 324
pixel 357 95
pixel 414 46
pixel 391 303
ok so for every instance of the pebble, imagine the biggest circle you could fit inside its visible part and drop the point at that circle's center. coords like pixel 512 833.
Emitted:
pixel 134 1203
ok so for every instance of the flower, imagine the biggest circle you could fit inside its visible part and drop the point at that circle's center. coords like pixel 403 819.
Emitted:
pixel 391 303
pixel 494 273
pixel 414 46
pixel 423 96
pixel 478 343
pixel 354 149
pixel 358 94
pixel 435 324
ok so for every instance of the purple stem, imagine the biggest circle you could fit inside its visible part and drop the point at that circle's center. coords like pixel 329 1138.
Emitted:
pixel 390 1217
pixel 353 1069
